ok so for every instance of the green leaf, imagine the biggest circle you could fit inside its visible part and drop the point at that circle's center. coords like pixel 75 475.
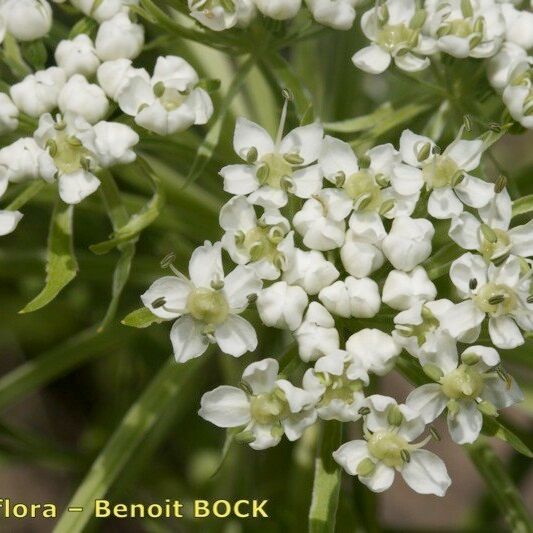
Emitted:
pixel 143 416
pixel 85 25
pixel 501 487
pixel 494 428
pixel 327 481
pixel 119 217
pixel 209 144
pixel 357 124
pixel 523 205
pixel 439 264
pixel 139 221
pixel 61 264
pixel 141 318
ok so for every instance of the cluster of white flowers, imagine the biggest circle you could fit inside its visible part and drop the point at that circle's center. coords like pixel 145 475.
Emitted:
pixel 73 140
pixel 221 15
pixel 324 240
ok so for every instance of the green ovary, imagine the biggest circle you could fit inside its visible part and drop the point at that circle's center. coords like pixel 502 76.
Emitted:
pixel 396 37
pixel 68 153
pixel 460 27
pixel 498 248
pixel 493 290
pixel 208 305
pixel 440 172
pixel 362 186
pixel 339 388
pixel 278 168
pixel 388 447
pixel 172 99
pixel 464 382
pixel 268 409
pixel 259 244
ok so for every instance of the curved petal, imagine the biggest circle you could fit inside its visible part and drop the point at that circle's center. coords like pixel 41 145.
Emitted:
pixel 337 156
pixel 466 424
pixel 205 264
pixel 262 375
pixel 304 141
pixel 464 230
pixel 350 454
pixel 250 135
pixel 372 59
pixel 76 186
pixel 426 473
pixel 428 400
pixel 187 339
pixel 443 204
pixel 226 407
pixel 380 480
pixel 475 192
pixel 239 179
pixel 239 284
pixel 236 336
pixel 504 332
pixel 175 292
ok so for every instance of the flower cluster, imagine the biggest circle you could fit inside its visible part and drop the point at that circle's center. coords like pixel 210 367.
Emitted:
pixel 323 241
pixel 79 132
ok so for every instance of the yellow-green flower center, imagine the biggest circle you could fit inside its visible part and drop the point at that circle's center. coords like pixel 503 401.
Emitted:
pixel 395 38
pixel 269 409
pixel 496 299
pixel 208 305
pixel 261 243
pixel 274 170
pixel 363 189
pixel 463 382
pixel 387 447
pixel 67 152
pixel 338 388
pixel 441 171
pixel 498 248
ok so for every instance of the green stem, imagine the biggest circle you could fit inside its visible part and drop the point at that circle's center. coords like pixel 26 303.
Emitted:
pixel 502 488
pixel 326 485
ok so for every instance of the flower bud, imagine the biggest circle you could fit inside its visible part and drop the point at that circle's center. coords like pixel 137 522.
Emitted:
pixel 119 38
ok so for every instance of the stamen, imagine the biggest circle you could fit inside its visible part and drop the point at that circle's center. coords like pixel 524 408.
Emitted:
pixel 287 95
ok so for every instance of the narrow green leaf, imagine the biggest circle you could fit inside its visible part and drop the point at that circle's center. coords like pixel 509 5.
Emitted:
pixel 139 221
pixel 327 481
pixel 57 362
pixel 523 205
pixel 501 487
pixel 439 264
pixel 365 122
pixel 61 264
pixel 228 443
pixel 494 428
pixel 162 392
pixel 209 144
pixel 119 217
pixel 141 318
pixel 287 79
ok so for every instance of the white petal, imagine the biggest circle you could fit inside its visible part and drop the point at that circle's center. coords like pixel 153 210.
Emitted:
pixel 307 181
pixel 305 141
pixel 374 348
pixel 263 437
pixel 407 179
pixel 75 187
pixel 237 214
pixel 205 264
pixel 296 424
pixel 466 424
pixel 443 204
pixel 350 454
pixel 250 135
pixel 337 156
pixel 474 191
pixel 465 268
pixel 410 145
pixel 174 290
pixel 9 221
pixel 464 230
pixel 282 306
pixel 522 240
pixel 262 375
pixel 504 332
pixel 411 63
pixel 236 336
pixel 465 316
pixel 365 300
pixel 226 407
pixel 426 473
pixel 239 284
pixel 187 339
pixel 428 400
pixel 380 480
pixel 467 154
pixel 372 59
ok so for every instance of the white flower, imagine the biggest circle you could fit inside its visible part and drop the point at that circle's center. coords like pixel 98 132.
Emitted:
pixel 321 221
pixel 445 174
pixel 37 93
pixel 337 382
pixel 66 142
pixel 24 160
pixel 265 243
pixel 370 188
pixel 282 306
pixel 402 290
pixel 82 98
pixel 171 101
pixel 518 26
pixel 491 235
pixel 352 298
pixel 118 37
pixel 394 28
pixel 517 96
pixel 361 254
pixel 316 335
pixel 274 167
pixel 268 407
pixel 311 271
pixel 389 431
pixel 501 66
pixel 77 56
pixel 207 307
pixel 408 243
pixel 26 20
pixel 419 332
pixel 375 350
pixel 103 9
pixel 113 76
pixel 501 292
pixel 9 114
pixel 9 221
pixel 279 9
pixel 464 28
pixel 337 14
pixel 466 389
pixel 218 15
